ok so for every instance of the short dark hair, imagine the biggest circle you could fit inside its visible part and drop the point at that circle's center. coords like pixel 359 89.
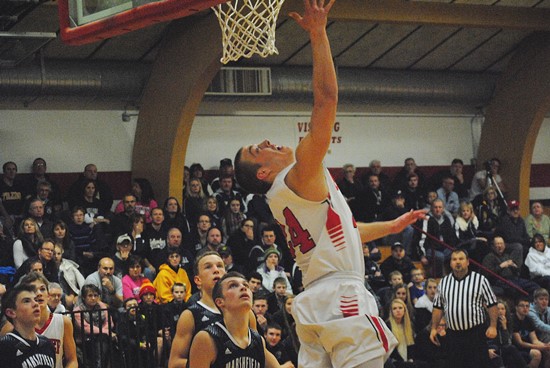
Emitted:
pixel 217 291
pixel 10 297
pixel 273 325
pixel 245 173
pixel 86 289
pixel 457 161
pixel 461 251
pixel 4 167
pixel 255 275
pixel 522 298
pixel 279 280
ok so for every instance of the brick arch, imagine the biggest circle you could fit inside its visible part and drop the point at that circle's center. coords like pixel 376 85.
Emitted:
pixel 515 115
pixel 187 61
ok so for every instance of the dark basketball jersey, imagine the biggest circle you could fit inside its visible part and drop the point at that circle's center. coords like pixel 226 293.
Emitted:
pixel 204 316
pixel 17 352
pixel 230 355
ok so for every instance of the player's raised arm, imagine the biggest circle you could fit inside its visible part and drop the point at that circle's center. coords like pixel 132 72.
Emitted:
pixel 306 178
pixel 376 230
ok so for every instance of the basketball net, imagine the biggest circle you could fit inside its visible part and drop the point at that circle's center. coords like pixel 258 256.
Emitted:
pixel 248 28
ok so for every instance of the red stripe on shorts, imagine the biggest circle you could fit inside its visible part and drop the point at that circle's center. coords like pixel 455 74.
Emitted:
pixel 380 329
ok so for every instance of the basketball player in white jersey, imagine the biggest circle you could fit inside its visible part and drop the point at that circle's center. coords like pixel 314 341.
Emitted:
pixel 336 317
pixel 56 327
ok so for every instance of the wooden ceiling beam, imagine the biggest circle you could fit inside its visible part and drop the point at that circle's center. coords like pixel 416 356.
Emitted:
pixel 435 13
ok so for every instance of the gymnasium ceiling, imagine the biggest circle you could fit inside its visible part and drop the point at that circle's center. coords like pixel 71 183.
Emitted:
pixel 437 35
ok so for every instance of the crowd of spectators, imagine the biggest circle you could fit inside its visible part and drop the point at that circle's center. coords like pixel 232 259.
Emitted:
pixel 139 253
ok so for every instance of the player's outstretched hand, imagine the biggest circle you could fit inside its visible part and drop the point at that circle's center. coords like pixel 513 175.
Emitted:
pixel 315 14
pixel 406 219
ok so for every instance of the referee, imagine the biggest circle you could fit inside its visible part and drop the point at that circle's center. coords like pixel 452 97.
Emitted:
pixel 462 296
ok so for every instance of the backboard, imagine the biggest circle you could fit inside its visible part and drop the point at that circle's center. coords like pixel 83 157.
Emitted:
pixel 87 21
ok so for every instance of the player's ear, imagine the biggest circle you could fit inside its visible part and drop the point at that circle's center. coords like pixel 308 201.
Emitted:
pixel 10 313
pixel 262 173
pixel 219 302
pixel 197 281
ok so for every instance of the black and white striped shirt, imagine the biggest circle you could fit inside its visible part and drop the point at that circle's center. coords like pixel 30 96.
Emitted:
pixel 464 301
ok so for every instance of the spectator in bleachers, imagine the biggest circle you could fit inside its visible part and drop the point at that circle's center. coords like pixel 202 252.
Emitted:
pixel 226 169
pixel 197 238
pixel 227 256
pixel 173 215
pixel 255 280
pixel 133 278
pixel 194 201
pixel 396 209
pixel 260 308
pixel 131 334
pixel 37 213
pixel 439 227
pixel 173 310
pixel 501 350
pixel 46 257
pixel 276 299
pixel 43 192
pixel 416 287
pixel 155 239
pixel 122 222
pixel 350 187
pixel 539 313
pixel 385 294
pixel 39 169
pixel 371 201
pixel 274 344
pixel 283 317
pixel 70 278
pixel 94 321
pixel 413 193
pixel 480 182
pixel 424 306
pixel 214 240
pixel 455 172
pixel 145 199
pixel 538 261
pixel 270 270
pixel 197 171
pixel 103 192
pixel 226 193
pixel 213 210
pixel 525 337
pixel 170 273
pixel 109 286
pixel 375 167
pixel 373 273
pixel 232 217
pixel 259 210
pixel 488 208
pixel 55 298
pixel 467 232
pixel 121 257
pixel 93 207
pixel 447 194
pixel 402 178
pixel 88 241
pixel 512 227
pixel 29 239
pixel 537 222
pixel 12 192
pixel 508 266
pixel 399 322
pixel 62 238
pixel 241 243
pixel 398 261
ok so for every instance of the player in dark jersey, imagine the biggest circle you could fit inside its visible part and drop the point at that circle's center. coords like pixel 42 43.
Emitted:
pixel 23 348
pixel 231 343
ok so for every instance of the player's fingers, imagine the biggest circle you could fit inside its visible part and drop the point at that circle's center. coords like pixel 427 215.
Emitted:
pixel 297 17
pixel 329 5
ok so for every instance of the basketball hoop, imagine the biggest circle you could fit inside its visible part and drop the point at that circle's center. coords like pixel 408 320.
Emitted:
pixel 248 28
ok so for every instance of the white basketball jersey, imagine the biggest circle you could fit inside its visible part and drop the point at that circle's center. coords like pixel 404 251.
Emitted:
pixel 54 330
pixel 322 236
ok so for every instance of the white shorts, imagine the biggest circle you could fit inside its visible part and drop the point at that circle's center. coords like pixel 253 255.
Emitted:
pixel 338 325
